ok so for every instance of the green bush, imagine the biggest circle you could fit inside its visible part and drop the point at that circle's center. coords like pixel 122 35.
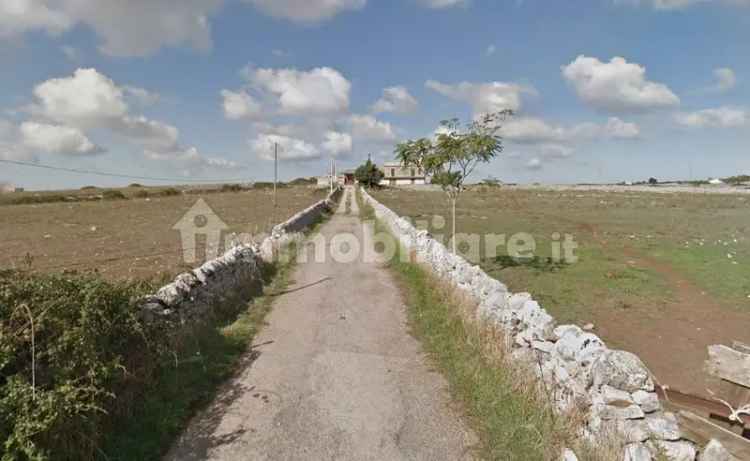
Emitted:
pixel 169 192
pixel 113 195
pixel 141 194
pixel 93 358
pixel 231 188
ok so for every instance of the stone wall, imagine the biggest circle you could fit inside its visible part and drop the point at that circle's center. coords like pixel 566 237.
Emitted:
pixel 614 386
pixel 234 277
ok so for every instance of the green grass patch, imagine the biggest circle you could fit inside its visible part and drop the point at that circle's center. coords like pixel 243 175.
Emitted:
pixel 512 424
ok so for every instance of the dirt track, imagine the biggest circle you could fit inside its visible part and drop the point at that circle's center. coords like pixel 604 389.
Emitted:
pixel 334 375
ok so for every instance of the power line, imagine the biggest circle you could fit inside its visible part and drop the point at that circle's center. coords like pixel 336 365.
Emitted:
pixel 119 175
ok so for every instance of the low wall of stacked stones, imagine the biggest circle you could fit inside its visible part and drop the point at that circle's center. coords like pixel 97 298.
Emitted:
pixel 613 386
pixel 236 276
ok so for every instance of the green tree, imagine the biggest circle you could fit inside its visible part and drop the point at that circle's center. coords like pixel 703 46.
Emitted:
pixel 455 153
pixel 368 174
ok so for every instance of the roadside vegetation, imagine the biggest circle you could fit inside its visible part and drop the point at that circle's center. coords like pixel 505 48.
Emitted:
pixel 82 377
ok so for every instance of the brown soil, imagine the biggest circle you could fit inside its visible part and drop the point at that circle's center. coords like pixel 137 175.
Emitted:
pixel 130 238
pixel 672 339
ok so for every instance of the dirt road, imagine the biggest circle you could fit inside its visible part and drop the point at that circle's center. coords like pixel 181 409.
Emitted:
pixel 334 375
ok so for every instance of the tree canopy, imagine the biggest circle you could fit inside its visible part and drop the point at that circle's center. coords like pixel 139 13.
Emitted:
pixel 368 174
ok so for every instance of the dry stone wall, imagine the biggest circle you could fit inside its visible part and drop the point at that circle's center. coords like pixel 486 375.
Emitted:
pixel 234 277
pixel 614 386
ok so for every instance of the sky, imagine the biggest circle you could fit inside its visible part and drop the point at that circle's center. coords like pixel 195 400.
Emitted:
pixel 201 90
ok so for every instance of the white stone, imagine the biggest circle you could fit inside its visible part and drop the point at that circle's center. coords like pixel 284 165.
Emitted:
pixel 677 451
pixel 569 455
pixel 648 401
pixel 609 412
pixel 562 330
pixel 637 452
pixel 715 451
pixel 614 396
pixel 664 427
pixel 621 370
pixel 634 430
pixel 544 346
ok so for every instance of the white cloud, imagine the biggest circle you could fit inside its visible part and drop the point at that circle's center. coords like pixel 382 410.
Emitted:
pixel 86 98
pixel 555 151
pixel 483 97
pixel 721 117
pixel 337 143
pixel 56 139
pixel 490 50
pixel 725 79
pixel 19 16
pixel 151 133
pixel 530 130
pixel 319 91
pixel 126 28
pixel 617 85
pixel 440 4
pixel 368 128
pixel 396 99
pixel 681 4
pixel 141 96
pixel 307 11
pixel 91 100
pixel 534 164
pixel 289 148
pixel 191 161
pixel 239 105
pixel 11 147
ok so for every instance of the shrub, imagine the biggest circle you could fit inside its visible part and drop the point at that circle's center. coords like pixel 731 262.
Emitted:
pixel 113 195
pixel 169 192
pixel 303 182
pixel 92 358
pixel 141 194
pixel 89 188
pixel 231 188
pixel 135 184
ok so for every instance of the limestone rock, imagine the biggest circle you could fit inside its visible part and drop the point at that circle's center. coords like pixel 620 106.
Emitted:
pixel 621 370
pixel 715 451
pixel 612 396
pixel 608 412
pixel 569 455
pixel 664 427
pixel 637 452
pixel 677 451
pixel 648 401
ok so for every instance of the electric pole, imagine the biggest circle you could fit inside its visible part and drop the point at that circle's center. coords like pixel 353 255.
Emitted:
pixel 275 170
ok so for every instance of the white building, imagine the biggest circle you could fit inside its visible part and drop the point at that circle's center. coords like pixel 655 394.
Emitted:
pixel 396 174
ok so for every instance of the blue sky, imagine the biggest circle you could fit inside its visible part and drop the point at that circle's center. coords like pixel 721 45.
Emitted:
pixel 604 90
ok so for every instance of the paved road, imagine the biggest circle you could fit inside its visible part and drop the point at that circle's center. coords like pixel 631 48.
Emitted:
pixel 333 376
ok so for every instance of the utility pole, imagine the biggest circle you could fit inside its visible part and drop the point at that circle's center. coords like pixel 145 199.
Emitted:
pixel 275 170
pixel 331 191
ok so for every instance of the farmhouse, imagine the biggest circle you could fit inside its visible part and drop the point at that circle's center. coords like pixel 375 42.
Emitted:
pixel 396 174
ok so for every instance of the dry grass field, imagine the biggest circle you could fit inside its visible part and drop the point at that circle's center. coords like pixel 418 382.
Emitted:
pixel 662 275
pixel 128 238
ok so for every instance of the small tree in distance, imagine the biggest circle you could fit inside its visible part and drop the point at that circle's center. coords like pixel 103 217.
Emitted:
pixel 455 153
pixel 368 174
